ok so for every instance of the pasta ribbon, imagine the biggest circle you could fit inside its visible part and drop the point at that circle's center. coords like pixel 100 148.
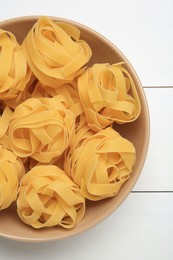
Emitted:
pixel 41 128
pixel 11 171
pixel 68 92
pixel 14 73
pixel 4 125
pixel 108 94
pixel 99 163
pixel 55 52
pixel 49 198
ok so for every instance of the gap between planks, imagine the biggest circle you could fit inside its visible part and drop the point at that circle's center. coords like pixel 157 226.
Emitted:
pixel 157 86
pixel 154 191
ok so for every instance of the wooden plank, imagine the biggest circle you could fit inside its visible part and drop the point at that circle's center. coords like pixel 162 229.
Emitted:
pixel 157 174
pixel 146 40
pixel 141 228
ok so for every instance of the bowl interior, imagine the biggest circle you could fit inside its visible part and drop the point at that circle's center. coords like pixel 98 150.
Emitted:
pixel 138 132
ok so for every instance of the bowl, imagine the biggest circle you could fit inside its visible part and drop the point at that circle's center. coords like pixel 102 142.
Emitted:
pixel 138 132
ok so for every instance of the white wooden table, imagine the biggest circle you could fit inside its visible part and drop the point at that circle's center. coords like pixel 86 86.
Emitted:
pixel 142 227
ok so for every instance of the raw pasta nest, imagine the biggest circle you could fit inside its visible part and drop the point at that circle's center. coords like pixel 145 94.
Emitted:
pixel 48 197
pixel 11 171
pixel 108 95
pixel 99 163
pixel 55 52
pixel 56 125
pixel 41 128
pixel 14 72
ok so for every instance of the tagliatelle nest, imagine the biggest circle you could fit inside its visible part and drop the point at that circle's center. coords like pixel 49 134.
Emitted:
pixel 99 163
pixel 41 128
pixel 11 172
pixel 53 56
pixel 15 72
pixel 108 95
pixel 48 198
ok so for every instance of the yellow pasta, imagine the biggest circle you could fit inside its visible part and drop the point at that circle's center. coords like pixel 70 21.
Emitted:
pixel 4 125
pixel 49 198
pixel 99 163
pixel 36 90
pixel 67 91
pixel 56 121
pixel 70 93
pixel 14 73
pixel 11 171
pixel 55 52
pixel 108 94
pixel 41 128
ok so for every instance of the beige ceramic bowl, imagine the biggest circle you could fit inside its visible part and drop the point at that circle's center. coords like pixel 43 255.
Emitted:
pixel 138 132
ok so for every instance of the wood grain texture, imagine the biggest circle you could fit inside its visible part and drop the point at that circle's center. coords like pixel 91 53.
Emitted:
pixel 157 174
pixel 140 229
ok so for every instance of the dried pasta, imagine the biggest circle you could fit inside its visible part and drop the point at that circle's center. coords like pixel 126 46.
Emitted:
pixel 11 171
pixel 41 128
pixel 57 144
pixel 108 94
pixel 14 73
pixel 48 198
pixel 67 91
pixel 55 52
pixel 99 163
